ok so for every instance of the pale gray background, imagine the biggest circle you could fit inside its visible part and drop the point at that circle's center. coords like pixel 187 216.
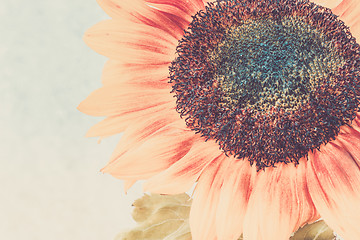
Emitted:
pixel 51 187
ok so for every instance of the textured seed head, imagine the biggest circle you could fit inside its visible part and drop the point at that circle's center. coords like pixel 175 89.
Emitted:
pixel 268 80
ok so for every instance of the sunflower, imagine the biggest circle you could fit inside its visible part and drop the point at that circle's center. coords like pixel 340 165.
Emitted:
pixel 255 101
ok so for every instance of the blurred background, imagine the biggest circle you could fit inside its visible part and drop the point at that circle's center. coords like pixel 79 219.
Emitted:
pixel 51 187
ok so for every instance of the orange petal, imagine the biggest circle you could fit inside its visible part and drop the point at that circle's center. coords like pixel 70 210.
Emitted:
pixel 108 101
pixel 140 12
pixel 118 73
pixel 182 175
pixel 134 136
pixel 206 199
pixel 128 184
pixel 154 155
pixel 180 8
pixel 170 9
pixel 279 203
pixel 132 42
pixel 125 8
pixel 349 139
pixel 107 127
pixel 349 12
pixel 234 197
pixel 142 121
pixel 334 184
pixel 327 3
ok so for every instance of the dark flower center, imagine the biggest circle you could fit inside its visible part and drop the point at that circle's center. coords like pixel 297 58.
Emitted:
pixel 269 80
pixel 265 63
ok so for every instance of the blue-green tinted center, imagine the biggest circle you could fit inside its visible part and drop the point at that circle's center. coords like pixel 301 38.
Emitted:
pixel 265 63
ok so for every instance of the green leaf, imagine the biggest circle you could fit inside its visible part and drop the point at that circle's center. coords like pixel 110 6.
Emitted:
pixel 315 231
pixel 166 217
pixel 160 217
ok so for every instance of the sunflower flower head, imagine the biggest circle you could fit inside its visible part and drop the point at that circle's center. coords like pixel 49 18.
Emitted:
pixel 211 92
pixel 269 80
